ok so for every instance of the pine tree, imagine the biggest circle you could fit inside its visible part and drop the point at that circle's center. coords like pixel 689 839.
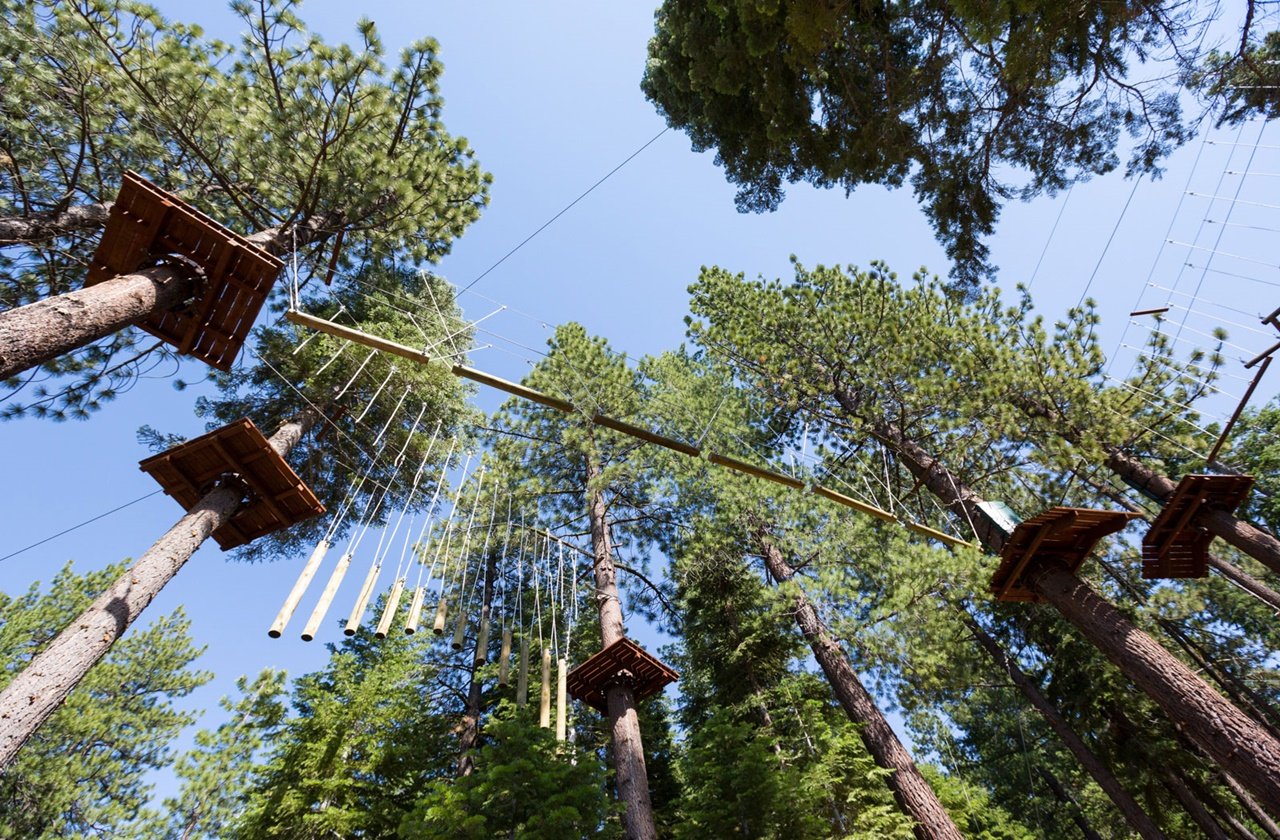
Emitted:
pixel 85 773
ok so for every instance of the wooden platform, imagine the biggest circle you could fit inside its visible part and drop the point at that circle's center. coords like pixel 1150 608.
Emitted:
pixel 147 224
pixel 277 497
pixel 1061 533
pixel 622 660
pixel 1174 546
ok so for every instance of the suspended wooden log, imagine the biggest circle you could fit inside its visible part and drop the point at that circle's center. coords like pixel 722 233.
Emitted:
pixel 459 630
pixel 562 700
pixel 326 597
pixel 415 611
pixel 362 601
pixel 544 701
pixel 389 611
pixel 442 612
pixel 504 659
pixel 299 589
pixel 522 675
pixel 482 642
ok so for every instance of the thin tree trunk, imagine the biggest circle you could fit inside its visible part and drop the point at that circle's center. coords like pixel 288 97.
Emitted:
pixel 628 748
pixel 1256 813
pixel 469 729
pixel 1219 810
pixel 1245 581
pixel 1194 807
pixel 1097 770
pixel 36 333
pixel 1227 735
pixel 1077 814
pixel 914 795
pixel 16 230
pixel 39 689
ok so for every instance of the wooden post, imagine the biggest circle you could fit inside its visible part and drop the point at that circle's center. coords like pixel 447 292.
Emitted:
pixel 482 641
pixel 504 660
pixel 562 698
pixel 544 698
pixel 326 597
pixel 522 673
pixel 442 613
pixel 459 629
pixel 299 589
pixel 415 611
pixel 389 611
pixel 362 601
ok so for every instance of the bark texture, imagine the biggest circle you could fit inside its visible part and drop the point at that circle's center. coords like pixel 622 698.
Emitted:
pixel 38 332
pixel 1233 740
pixel 16 230
pixel 1097 770
pixel 914 795
pixel 624 724
pixel 39 689
pixel 469 728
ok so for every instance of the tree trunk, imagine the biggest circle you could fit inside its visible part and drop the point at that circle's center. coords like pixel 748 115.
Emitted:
pixel 33 334
pixel 1077 814
pixel 1231 738
pixel 1245 581
pixel 1259 816
pixel 628 748
pixel 1099 772
pixel 1194 807
pixel 913 793
pixel 469 729
pixel 39 689
pixel 1252 540
pixel 1228 736
pixel 17 230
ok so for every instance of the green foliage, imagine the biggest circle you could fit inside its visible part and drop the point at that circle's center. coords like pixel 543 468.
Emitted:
pixel 525 784
pixel 363 744
pixel 1255 449
pixel 84 771
pixel 281 130
pixel 218 772
pixel 972 103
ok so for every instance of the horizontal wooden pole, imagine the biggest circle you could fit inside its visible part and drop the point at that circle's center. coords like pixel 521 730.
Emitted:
pixel 620 426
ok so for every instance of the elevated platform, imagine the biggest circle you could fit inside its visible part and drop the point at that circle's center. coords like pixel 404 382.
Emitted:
pixel 146 226
pixel 277 497
pixel 1175 547
pixel 623 660
pixel 1062 533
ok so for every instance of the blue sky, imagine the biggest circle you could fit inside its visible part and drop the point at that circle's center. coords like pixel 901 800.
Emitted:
pixel 548 96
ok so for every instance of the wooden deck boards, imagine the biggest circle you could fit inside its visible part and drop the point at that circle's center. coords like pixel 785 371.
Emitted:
pixel 277 499
pixel 1061 533
pixel 1174 546
pixel 623 659
pixel 147 225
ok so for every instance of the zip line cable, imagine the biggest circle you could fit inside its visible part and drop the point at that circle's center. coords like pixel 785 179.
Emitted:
pixel 566 209
pixel 79 526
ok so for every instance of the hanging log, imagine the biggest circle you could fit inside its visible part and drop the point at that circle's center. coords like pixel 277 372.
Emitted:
pixel 299 589
pixel 544 699
pixel 442 612
pixel 482 642
pixel 504 660
pixel 389 611
pixel 362 601
pixel 326 597
pixel 562 698
pixel 415 611
pixel 522 674
pixel 459 630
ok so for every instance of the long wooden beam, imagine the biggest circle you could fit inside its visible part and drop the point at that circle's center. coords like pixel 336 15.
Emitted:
pixel 622 427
